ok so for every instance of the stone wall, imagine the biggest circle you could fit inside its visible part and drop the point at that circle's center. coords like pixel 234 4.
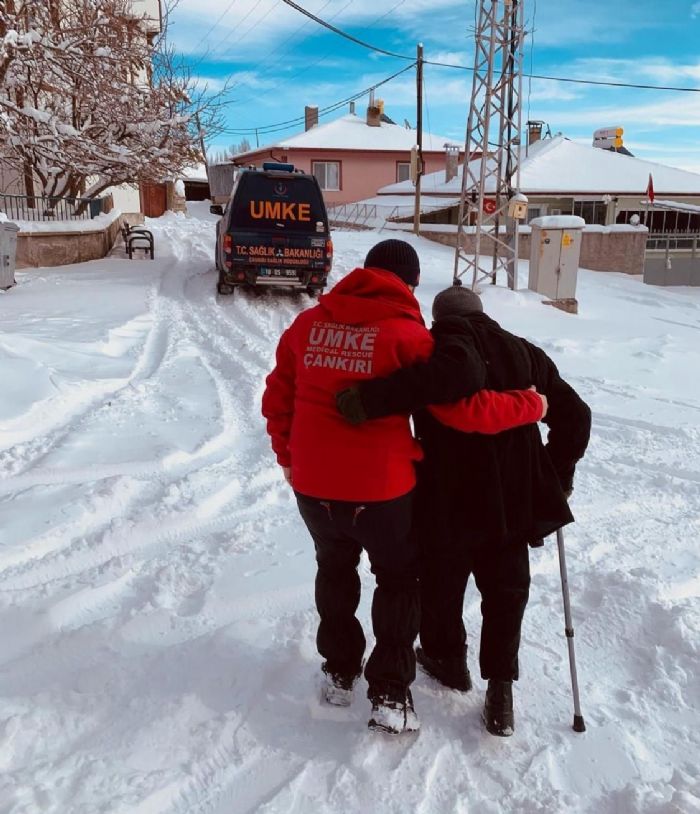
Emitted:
pixel 614 251
pixel 37 249
pixel 601 250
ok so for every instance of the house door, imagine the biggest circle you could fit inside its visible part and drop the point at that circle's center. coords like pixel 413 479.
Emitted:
pixel 154 200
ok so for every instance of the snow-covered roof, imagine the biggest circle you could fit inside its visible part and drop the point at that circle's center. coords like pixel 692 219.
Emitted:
pixel 352 132
pixel 561 166
pixel 673 205
pixel 196 173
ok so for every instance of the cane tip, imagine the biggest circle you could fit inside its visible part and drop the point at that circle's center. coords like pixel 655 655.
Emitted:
pixel 579 725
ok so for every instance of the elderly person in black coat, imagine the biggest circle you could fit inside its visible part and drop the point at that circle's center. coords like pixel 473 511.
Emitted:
pixel 481 499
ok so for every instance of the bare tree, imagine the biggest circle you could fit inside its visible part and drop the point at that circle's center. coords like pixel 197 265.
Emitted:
pixel 243 146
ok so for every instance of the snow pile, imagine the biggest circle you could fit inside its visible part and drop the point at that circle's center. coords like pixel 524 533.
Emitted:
pixel 156 582
pixel 84 226
pixel 559 222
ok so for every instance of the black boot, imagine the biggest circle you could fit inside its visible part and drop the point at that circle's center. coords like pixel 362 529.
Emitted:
pixel 393 711
pixel 451 672
pixel 498 708
pixel 337 687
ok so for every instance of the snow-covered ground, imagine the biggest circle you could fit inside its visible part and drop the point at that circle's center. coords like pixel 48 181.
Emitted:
pixel 157 651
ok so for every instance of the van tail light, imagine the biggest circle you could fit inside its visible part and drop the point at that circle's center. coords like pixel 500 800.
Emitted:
pixel 329 248
pixel 228 243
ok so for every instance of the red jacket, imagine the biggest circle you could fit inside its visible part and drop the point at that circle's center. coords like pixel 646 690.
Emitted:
pixel 368 325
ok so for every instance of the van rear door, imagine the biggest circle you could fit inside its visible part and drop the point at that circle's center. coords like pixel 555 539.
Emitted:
pixel 278 224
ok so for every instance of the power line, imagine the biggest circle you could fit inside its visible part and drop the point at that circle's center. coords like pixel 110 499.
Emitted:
pixel 281 45
pixel 570 80
pixel 309 65
pixel 344 34
pixel 240 22
pixel 532 57
pixel 286 125
pixel 267 70
pixel 578 81
pixel 218 20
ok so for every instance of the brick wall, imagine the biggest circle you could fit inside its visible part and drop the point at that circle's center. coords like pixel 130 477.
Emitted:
pixel 600 251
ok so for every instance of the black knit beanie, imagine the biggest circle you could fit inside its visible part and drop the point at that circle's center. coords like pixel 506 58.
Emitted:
pixel 456 301
pixel 395 256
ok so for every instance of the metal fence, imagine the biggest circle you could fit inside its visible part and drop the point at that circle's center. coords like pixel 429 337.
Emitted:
pixel 674 242
pixel 361 216
pixel 40 208
pixel 672 260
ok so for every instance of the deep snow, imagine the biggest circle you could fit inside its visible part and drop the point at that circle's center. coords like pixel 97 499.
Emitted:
pixel 156 583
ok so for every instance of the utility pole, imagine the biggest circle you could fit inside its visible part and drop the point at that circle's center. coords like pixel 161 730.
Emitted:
pixel 419 133
pixel 491 174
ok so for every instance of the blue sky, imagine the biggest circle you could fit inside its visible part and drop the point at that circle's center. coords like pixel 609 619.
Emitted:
pixel 278 61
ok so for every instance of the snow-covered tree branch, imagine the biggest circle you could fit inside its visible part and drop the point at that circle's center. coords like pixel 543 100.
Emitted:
pixel 88 102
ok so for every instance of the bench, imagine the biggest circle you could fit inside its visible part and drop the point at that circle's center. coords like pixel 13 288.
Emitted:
pixel 137 238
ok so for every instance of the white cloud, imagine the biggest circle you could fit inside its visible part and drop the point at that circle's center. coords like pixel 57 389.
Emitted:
pixel 661 114
pixel 649 70
pixel 287 65
pixel 695 10
pixel 251 23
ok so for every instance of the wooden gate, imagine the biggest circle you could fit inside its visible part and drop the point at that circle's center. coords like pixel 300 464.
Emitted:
pixel 154 200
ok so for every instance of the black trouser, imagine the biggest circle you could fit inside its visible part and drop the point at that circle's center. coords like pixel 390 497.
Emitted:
pixel 340 531
pixel 502 575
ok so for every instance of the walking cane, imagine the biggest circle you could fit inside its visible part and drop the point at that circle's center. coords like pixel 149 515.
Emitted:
pixel 579 725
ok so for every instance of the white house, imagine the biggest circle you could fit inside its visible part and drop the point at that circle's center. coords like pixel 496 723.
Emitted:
pixel 563 177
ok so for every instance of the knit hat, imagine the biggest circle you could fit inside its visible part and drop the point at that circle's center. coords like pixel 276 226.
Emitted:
pixel 456 301
pixel 395 256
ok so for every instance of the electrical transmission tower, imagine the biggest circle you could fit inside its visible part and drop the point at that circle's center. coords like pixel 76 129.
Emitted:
pixel 491 196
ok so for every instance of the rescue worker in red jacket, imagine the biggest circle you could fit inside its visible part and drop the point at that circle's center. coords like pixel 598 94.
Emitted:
pixel 354 485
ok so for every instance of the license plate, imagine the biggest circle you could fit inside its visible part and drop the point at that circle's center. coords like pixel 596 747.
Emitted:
pixel 265 272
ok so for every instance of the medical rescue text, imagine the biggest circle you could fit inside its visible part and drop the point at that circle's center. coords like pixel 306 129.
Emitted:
pixel 341 347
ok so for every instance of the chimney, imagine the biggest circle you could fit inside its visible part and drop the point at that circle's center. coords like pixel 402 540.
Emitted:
pixel 451 162
pixel 534 132
pixel 374 112
pixel 352 108
pixel 310 117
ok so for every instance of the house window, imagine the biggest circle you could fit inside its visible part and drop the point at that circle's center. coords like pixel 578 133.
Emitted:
pixel 403 171
pixel 593 212
pixel 328 174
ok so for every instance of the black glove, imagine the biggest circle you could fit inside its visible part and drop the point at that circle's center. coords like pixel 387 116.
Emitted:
pixel 349 403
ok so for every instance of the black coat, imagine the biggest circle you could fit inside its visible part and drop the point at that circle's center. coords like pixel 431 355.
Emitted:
pixel 506 488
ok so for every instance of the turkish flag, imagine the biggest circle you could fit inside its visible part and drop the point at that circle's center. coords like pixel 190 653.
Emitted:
pixel 650 189
pixel 490 206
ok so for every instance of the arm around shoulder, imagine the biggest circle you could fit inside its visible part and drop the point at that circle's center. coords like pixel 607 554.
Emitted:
pixel 453 370
pixel 490 412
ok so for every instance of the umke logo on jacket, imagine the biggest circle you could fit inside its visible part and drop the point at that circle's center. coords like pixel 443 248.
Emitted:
pixel 340 347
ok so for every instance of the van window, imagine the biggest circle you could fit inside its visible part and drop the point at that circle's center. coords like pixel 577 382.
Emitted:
pixel 289 203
